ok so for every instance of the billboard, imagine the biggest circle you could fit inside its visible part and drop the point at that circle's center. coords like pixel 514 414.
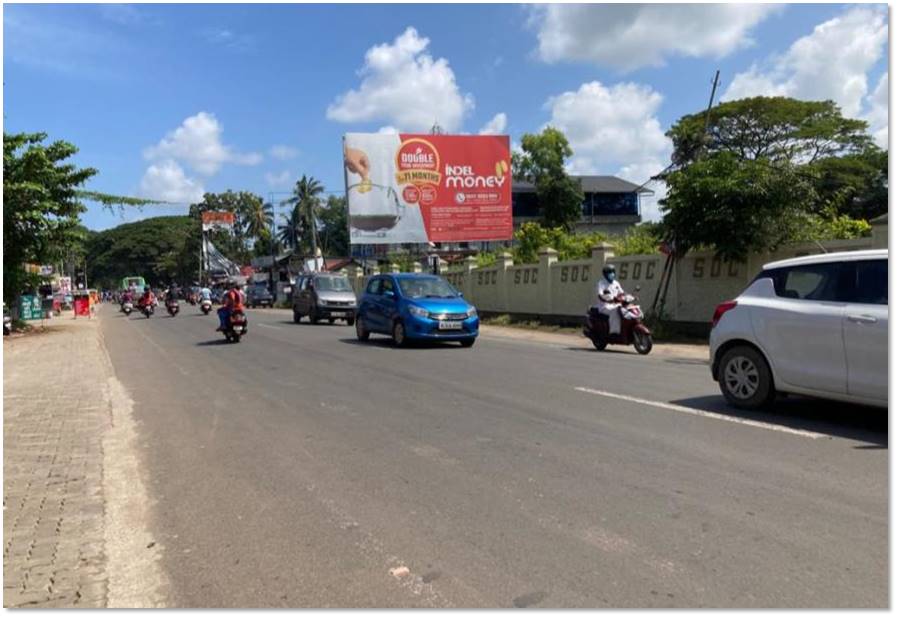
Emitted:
pixel 217 220
pixel 405 188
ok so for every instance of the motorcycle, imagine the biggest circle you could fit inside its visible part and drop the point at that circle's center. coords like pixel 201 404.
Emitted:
pixel 633 330
pixel 173 307
pixel 205 306
pixel 127 307
pixel 148 309
pixel 237 326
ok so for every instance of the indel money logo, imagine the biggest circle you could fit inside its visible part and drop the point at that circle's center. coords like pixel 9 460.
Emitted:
pixel 417 162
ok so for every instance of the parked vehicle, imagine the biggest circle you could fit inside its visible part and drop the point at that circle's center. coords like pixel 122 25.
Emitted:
pixel 416 306
pixel 127 307
pixel 7 321
pixel 324 295
pixel 258 295
pixel 205 306
pixel 814 325
pixel 172 306
pixel 633 330
pixel 237 326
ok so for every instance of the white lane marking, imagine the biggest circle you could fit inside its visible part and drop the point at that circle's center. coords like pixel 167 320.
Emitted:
pixel 264 325
pixel 706 414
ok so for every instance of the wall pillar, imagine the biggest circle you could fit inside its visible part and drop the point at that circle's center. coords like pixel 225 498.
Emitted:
pixel 504 261
pixel 547 257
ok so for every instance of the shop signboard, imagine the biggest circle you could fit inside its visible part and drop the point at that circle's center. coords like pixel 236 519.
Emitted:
pixel 30 307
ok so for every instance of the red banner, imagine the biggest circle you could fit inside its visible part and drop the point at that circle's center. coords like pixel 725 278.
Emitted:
pixel 428 188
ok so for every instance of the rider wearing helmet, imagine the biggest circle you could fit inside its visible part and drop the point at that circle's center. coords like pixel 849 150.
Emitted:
pixel 609 293
pixel 233 301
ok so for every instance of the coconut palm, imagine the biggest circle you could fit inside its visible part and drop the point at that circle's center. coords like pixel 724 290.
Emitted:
pixel 305 202
pixel 258 218
pixel 290 231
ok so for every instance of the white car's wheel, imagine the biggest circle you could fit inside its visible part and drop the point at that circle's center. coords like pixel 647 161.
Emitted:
pixel 745 379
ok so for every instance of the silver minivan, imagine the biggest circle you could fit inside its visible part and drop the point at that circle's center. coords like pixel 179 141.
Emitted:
pixel 324 295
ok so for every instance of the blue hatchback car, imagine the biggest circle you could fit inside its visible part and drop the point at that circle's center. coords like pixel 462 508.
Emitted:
pixel 415 306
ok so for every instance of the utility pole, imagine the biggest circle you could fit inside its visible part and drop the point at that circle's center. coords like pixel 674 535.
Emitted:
pixel 710 104
pixel 670 265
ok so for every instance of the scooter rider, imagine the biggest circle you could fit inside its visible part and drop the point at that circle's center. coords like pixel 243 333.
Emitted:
pixel 233 301
pixel 147 298
pixel 609 293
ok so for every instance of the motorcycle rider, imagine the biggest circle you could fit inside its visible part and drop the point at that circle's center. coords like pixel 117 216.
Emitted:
pixel 233 301
pixel 609 293
pixel 147 298
pixel 126 297
pixel 205 294
pixel 173 294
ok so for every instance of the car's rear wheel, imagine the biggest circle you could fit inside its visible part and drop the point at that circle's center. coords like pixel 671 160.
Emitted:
pixel 330 320
pixel 745 379
pixel 361 332
pixel 297 316
pixel 350 321
pixel 398 334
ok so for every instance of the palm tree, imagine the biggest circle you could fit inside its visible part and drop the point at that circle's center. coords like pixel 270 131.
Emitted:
pixel 291 229
pixel 258 219
pixel 305 202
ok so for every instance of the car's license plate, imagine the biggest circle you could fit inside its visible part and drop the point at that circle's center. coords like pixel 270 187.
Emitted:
pixel 450 325
pixel 337 313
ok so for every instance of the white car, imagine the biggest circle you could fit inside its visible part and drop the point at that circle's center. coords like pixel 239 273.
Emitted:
pixel 814 325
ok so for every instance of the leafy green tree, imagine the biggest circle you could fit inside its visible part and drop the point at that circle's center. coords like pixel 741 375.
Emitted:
pixel 305 200
pixel 41 205
pixel 734 205
pixel 854 185
pixel 776 129
pixel 335 226
pixel 161 249
pixel 542 161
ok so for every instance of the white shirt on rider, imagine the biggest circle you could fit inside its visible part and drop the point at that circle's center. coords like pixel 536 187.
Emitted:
pixel 606 291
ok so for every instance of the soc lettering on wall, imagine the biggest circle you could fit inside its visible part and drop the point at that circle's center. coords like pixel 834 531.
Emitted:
pixel 638 270
pixel 527 276
pixel 574 274
pixel 716 269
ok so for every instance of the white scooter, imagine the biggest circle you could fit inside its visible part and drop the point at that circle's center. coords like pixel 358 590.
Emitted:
pixel 205 306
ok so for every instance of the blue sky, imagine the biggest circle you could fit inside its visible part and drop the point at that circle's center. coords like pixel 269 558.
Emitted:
pixel 168 101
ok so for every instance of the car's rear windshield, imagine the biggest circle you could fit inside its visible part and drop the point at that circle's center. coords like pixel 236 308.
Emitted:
pixel 333 283
pixel 429 287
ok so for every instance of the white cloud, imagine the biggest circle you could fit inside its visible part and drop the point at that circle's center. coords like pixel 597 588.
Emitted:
pixel 228 39
pixel 614 130
pixel 388 130
pixel 878 112
pixel 496 126
pixel 197 142
pixel 167 181
pixel 629 36
pixel 403 85
pixel 283 153
pixel 830 63
pixel 282 179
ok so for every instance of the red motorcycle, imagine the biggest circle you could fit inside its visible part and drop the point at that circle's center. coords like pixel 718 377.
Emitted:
pixel 633 330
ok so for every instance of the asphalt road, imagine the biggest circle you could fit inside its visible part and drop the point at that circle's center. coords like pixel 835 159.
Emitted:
pixel 300 467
